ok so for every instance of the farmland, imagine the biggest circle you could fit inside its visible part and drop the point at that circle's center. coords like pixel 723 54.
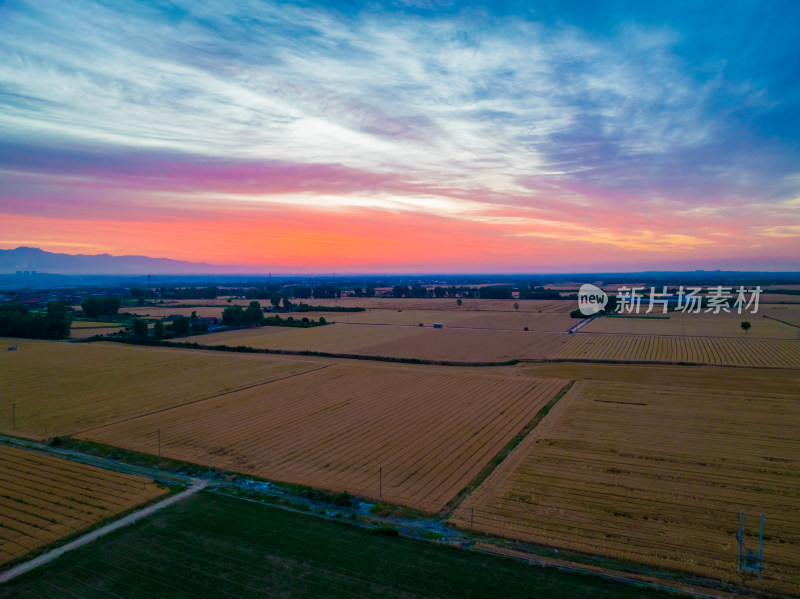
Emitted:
pixel 717 378
pixel 44 499
pixel 430 430
pixel 450 344
pixel 474 319
pixel 780 353
pixel 655 475
pixel 65 387
pixel 701 324
pixel 273 553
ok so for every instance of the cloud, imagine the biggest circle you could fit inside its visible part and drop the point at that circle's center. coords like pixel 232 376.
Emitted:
pixel 531 125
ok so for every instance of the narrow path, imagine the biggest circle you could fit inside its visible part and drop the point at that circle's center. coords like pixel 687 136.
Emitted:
pixel 197 486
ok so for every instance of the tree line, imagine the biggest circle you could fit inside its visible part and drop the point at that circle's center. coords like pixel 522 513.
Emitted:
pixel 16 320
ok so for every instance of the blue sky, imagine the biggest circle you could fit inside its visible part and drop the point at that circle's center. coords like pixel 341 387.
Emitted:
pixel 425 136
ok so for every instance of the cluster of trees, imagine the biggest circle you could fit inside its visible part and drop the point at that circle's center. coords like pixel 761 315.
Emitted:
pixel 496 292
pixel 235 315
pixel 277 321
pixel 488 292
pixel 368 291
pixel 181 325
pixel 539 293
pixel 101 305
pixel 17 321
pixel 276 293
pixel 208 292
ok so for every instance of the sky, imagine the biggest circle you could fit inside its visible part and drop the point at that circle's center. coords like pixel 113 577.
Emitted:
pixel 413 136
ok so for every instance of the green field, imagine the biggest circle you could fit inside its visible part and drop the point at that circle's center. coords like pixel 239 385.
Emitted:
pixel 214 546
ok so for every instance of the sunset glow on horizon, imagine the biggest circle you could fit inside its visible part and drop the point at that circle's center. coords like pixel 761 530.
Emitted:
pixel 412 137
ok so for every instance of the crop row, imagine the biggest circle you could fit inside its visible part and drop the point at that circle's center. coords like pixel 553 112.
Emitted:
pixel 99 383
pixel 656 475
pixel 697 350
pixel 415 436
pixel 43 499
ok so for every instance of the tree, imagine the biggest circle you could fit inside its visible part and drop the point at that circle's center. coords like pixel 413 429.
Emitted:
pixel 101 305
pixel 181 325
pixel 233 316
pixel 746 326
pixel 418 290
pixel 158 330
pixel 459 301
pixel 516 305
pixel 495 292
pixel 57 321
pixel 370 291
pixel 140 327
pixel 400 291
pixel 254 314
pixel 275 300
pixel 287 305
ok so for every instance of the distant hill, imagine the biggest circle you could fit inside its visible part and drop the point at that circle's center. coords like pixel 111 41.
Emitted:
pixel 34 259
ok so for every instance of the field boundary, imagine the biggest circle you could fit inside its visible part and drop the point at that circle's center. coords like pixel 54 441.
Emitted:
pixel 410 528
pixel 104 529
pixel 782 321
pixel 642 362
pixel 194 401
pixel 302 352
pixel 498 459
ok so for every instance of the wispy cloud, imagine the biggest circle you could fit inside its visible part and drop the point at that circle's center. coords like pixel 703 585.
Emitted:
pixel 530 128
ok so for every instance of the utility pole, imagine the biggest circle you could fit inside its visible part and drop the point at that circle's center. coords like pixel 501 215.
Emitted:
pixel 471 523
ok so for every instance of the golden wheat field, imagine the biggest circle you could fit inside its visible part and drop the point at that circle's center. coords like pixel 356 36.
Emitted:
pixel 482 319
pixel 159 312
pixel 430 429
pixel 655 475
pixel 447 344
pixel 66 387
pixel 778 353
pixel 720 378
pixel 697 325
pixel 44 499
pixel 87 332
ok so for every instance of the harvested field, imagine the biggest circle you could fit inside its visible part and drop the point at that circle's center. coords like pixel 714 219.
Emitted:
pixel 780 353
pixel 447 344
pixel 166 312
pixel 87 332
pixel 472 345
pixel 431 430
pixel 786 314
pixel 695 377
pixel 484 319
pixel 779 298
pixel 44 499
pixel 697 325
pixel 658 476
pixel 67 387
pixel 445 304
